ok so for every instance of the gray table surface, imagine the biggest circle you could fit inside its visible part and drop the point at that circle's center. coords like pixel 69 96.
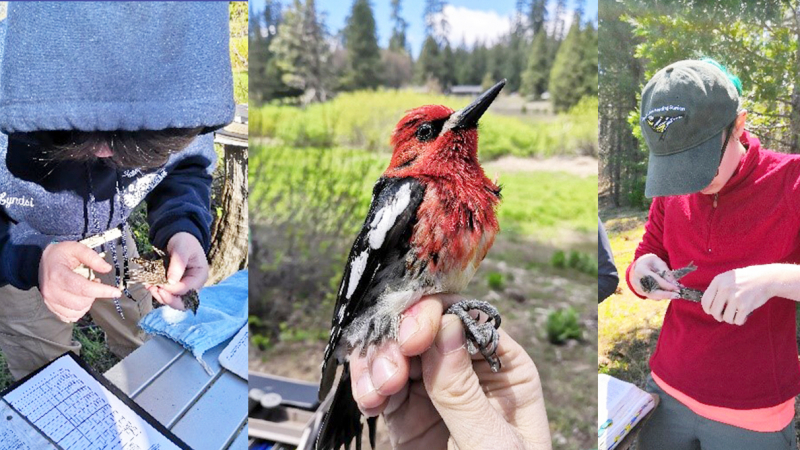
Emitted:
pixel 205 411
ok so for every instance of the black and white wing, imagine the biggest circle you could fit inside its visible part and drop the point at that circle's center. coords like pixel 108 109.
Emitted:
pixel 385 236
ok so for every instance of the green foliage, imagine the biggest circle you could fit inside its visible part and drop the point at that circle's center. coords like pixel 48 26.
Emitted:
pixel 574 73
pixel 562 325
pixel 301 53
pixel 300 334
pixel 429 65
pixel 398 41
pixel 137 222
pixel 751 39
pixel 366 119
pixel 559 259
pixel 535 78
pixel 240 85
pixel 582 262
pixel 495 280
pixel 363 54
pixel 306 205
pixel 238 47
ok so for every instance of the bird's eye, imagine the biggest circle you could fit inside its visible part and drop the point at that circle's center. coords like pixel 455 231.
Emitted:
pixel 425 132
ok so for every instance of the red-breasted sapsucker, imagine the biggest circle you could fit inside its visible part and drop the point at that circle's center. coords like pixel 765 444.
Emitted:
pixel 431 222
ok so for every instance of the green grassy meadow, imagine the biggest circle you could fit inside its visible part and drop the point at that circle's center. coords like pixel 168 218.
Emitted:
pixel 366 119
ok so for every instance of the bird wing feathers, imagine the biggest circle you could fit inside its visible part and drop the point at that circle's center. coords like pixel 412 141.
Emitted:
pixel 386 231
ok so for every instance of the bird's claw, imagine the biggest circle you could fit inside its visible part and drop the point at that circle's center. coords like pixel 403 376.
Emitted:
pixel 481 337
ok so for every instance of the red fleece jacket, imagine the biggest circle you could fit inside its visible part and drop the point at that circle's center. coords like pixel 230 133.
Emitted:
pixel 756 221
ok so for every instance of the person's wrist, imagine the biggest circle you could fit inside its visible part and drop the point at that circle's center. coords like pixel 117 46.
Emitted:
pixel 782 279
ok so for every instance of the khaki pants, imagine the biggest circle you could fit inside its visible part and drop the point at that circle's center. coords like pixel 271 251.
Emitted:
pixel 32 336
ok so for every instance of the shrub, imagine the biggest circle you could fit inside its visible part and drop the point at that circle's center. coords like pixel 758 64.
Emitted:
pixel 563 325
pixel 559 259
pixel 495 280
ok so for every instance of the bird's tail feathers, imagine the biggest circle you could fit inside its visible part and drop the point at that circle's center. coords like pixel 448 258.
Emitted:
pixel 342 423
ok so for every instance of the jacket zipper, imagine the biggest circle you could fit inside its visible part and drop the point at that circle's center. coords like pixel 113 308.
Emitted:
pixel 711 221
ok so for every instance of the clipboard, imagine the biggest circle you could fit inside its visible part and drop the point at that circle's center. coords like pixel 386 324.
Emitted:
pixel 75 407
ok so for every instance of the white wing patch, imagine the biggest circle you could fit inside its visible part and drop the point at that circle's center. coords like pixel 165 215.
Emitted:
pixel 386 216
pixel 356 272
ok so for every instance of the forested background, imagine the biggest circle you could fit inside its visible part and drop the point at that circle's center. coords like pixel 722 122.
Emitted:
pixel 755 40
pixel 296 58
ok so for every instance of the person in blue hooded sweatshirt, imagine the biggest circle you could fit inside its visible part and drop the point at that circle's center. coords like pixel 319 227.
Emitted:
pixel 103 106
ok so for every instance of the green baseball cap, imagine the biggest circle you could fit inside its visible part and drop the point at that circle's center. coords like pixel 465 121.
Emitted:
pixel 685 108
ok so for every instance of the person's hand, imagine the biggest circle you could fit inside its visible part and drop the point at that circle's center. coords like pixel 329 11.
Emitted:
pixel 733 295
pixel 465 403
pixel 653 266
pixel 188 269
pixel 68 295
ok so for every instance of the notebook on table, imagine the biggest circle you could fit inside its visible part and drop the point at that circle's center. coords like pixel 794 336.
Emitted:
pixel 621 407
pixel 74 407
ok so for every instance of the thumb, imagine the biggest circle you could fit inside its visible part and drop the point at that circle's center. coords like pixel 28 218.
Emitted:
pixel 88 257
pixel 455 391
pixel 177 267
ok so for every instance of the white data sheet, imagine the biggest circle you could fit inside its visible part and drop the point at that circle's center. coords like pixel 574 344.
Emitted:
pixel 77 412
pixel 234 357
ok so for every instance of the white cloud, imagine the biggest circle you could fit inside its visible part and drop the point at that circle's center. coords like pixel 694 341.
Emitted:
pixel 471 25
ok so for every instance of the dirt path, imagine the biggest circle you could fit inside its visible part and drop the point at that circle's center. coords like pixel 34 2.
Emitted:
pixel 582 166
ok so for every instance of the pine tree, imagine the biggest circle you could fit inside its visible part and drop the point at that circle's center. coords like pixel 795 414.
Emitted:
pixel 301 52
pixel 429 64
pixel 398 40
pixel 566 79
pixel 435 22
pixel 265 77
pixel 462 62
pixel 535 78
pixel 478 63
pixel 447 72
pixel 537 15
pixel 363 53
pixel 589 61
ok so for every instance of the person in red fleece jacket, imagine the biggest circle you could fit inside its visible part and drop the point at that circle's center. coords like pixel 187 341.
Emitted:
pixel 726 367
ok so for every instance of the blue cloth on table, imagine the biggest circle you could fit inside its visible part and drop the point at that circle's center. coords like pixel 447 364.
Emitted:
pixel 221 314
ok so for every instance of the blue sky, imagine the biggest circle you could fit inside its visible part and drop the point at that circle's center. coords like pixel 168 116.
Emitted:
pixel 469 19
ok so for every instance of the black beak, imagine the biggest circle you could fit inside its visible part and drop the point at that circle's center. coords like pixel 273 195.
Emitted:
pixel 468 117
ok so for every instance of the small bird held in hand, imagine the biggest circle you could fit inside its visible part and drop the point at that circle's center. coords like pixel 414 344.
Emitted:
pixel 431 222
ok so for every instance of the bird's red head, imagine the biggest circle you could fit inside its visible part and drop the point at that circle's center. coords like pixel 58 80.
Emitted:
pixel 434 139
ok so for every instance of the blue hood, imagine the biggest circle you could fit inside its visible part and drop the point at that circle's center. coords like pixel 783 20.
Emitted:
pixel 115 66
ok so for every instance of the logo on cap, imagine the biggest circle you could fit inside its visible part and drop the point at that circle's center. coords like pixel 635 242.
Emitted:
pixel 660 122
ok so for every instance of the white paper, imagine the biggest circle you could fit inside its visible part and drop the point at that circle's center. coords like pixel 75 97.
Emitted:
pixel 234 357
pixel 621 406
pixel 18 434
pixel 77 412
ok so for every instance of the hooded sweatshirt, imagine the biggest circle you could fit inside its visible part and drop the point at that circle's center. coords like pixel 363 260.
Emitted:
pixel 101 67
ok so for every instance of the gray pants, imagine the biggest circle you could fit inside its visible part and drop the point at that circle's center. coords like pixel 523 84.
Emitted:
pixel 31 335
pixel 673 426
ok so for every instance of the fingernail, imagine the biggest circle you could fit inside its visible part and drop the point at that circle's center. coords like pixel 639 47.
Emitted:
pixel 383 369
pixel 450 337
pixel 171 281
pixel 408 328
pixel 676 296
pixel 364 385
pixel 117 293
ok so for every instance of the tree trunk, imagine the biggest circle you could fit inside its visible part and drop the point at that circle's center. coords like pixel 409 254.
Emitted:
pixel 794 113
pixel 229 232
